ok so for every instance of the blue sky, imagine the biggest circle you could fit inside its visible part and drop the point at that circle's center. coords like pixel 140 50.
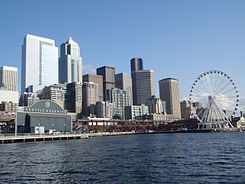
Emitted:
pixel 175 38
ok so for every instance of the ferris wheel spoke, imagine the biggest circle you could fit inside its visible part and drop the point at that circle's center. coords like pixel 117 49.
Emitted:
pixel 228 91
pixel 201 92
pixel 223 87
pixel 202 87
pixel 220 84
pixel 209 83
pixel 217 80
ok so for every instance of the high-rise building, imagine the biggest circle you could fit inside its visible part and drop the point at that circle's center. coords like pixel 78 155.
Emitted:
pixel 90 97
pixel 9 78
pixel 97 79
pixel 136 64
pixel 169 92
pixel 73 97
pixel 143 84
pixel 39 63
pixel 124 82
pixel 70 62
pixel 133 111
pixel 156 105
pixel 108 74
pixel 119 100
pixel 55 93
pixel 104 109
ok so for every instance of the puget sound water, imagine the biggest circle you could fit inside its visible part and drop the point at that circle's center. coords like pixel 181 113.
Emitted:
pixel 151 158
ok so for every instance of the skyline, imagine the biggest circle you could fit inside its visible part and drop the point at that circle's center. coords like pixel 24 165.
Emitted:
pixel 180 40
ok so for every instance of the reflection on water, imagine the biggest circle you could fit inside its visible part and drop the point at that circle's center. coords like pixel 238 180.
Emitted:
pixel 162 158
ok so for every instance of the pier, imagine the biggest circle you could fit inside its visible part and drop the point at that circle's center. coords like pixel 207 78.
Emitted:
pixel 5 139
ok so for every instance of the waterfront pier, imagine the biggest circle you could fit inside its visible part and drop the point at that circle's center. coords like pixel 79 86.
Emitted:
pixel 4 139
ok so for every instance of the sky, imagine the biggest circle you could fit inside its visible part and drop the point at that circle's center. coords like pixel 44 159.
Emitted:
pixel 175 38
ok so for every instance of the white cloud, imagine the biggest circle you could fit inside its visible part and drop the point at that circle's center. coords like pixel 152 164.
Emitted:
pixel 88 68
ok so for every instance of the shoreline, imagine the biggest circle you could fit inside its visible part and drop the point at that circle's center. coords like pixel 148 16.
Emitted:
pixel 5 139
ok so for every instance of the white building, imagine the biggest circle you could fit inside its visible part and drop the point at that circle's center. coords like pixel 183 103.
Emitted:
pixel 104 109
pixel 156 105
pixel 70 62
pixel 39 63
pixel 131 112
pixel 9 78
pixel 119 99
pixel 9 96
pixel 55 93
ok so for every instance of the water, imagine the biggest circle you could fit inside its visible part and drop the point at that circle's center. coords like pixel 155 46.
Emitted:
pixel 159 158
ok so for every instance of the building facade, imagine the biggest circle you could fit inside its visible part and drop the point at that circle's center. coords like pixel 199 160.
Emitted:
pixel 133 111
pixel 8 78
pixel 70 62
pixel 90 97
pixel 104 109
pixel 119 99
pixel 39 63
pixel 169 92
pixel 9 96
pixel 45 115
pixel 97 79
pixel 124 82
pixel 143 85
pixel 55 93
pixel 156 105
pixel 108 74
pixel 73 97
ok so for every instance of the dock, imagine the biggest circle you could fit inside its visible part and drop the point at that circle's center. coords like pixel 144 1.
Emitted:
pixel 6 139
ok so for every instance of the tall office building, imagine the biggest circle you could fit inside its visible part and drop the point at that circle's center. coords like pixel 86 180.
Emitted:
pixel 136 64
pixel 90 97
pixel 70 62
pixel 143 84
pixel 9 78
pixel 108 74
pixel 39 63
pixel 124 82
pixel 73 97
pixel 97 79
pixel 119 100
pixel 169 92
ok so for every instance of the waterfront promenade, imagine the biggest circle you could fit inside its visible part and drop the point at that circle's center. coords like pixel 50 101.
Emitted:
pixel 4 139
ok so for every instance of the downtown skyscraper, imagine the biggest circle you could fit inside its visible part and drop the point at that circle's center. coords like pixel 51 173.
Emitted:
pixel 169 92
pixel 108 74
pixel 8 78
pixel 124 82
pixel 143 82
pixel 39 63
pixel 70 62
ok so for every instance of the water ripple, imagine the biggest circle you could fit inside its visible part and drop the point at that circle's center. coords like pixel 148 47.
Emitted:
pixel 163 158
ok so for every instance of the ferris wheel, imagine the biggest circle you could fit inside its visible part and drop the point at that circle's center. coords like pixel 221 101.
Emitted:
pixel 217 97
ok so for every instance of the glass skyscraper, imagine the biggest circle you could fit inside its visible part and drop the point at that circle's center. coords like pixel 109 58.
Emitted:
pixel 39 63
pixel 70 62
